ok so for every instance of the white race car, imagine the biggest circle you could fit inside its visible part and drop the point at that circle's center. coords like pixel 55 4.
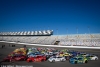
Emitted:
pixel 56 58
pixel 92 57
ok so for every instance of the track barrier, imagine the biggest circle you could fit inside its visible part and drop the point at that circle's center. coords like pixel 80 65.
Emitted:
pixel 86 47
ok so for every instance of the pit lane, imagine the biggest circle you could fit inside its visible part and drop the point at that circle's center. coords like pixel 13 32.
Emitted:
pixel 7 49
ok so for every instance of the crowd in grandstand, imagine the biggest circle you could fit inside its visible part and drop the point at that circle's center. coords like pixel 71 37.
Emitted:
pixel 72 39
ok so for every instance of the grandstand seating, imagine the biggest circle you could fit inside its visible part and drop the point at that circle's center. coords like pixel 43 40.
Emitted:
pixel 72 39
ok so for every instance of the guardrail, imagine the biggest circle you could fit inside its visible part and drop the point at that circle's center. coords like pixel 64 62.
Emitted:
pixel 54 45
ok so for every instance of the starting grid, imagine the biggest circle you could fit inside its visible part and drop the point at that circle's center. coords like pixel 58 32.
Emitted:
pixel 85 47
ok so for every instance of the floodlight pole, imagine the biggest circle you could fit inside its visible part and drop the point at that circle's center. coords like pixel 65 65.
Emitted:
pixel 77 34
pixel 67 32
pixel 57 31
pixel 90 34
pixel 77 30
pixel 34 28
pixel 2 37
pixel 44 27
pixel 89 30
pixel 48 27
pixel 37 28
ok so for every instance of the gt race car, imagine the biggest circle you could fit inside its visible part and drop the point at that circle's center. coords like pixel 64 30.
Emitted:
pixel 78 60
pixel 36 59
pixel 92 57
pixel 56 58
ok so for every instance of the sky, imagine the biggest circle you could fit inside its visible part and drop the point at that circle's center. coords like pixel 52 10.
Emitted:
pixel 61 16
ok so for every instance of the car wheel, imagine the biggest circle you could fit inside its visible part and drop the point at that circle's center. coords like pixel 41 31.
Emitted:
pixel 62 60
pixel 86 61
pixel 75 62
pixel 67 58
pixel 42 60
pixel 25 59
pixel 29 61
pixel 96 59
pixel 53 61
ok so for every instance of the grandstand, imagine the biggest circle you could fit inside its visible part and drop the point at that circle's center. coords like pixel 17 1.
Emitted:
pixel 47 38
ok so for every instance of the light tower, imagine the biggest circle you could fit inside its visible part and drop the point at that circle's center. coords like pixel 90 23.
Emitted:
pixel 77 35
pixel 67 33
pixel 57 31
pixel 88 29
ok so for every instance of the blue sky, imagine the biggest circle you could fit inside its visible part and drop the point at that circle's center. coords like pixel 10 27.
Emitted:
pixel 28 15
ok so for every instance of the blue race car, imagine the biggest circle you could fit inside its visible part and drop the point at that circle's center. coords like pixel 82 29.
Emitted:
pixel 74 53
pixel 78 60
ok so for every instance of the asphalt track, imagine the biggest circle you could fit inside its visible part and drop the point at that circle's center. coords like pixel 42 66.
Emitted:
pixel 7 49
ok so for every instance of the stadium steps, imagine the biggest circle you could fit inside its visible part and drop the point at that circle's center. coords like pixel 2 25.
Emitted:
pixel 40 39
pixel 47 40
pixel 36 39
pixel 63 41
pixel 32 39
pixel 44 40
pixel 55 40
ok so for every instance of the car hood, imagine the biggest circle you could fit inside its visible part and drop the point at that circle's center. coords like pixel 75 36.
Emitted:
pixel 72 59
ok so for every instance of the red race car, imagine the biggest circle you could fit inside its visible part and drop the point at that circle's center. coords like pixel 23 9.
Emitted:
pixel 36 59
pixel 14 58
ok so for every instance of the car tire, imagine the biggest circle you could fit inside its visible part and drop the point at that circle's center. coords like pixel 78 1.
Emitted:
pixel 42 60
pixel 86 61
pixel 75 62
pixel 62 60
pixel 68 58
pixel 30 61
pixel 96 59
pixel 25 59
pixel 53 60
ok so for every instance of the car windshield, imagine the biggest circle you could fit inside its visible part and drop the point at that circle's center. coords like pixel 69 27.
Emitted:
pixel 92 56
pixel 32 53
pixel 38 56
pixel 53 57
pixel 59 57
pixel 88 56
pixel 83 54
pixel 66 54
pixel 75 58
pixel 79 58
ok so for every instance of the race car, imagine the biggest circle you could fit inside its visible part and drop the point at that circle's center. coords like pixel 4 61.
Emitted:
pixel 7 59
pixel 48 54
pixel 36 59
pixel 14 58
pixel 67 56
pixel 20 51
pixel 34 54
pixel 92 57
pixel 73 53
pixel 78 60
pixel 16 50
pixel 56 58
pixel 83 54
